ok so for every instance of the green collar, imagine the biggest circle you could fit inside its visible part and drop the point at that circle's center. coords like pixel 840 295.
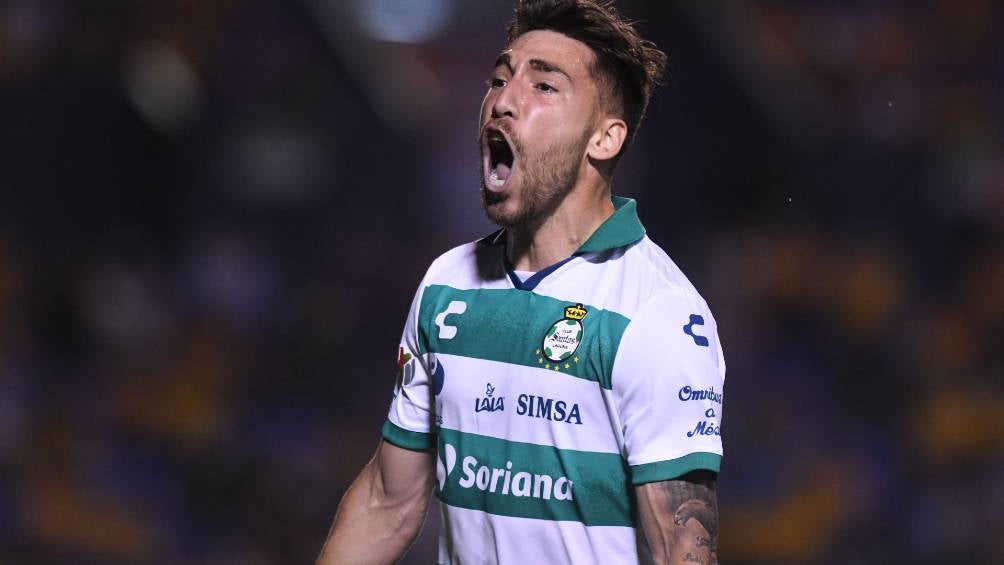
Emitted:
pixel 621 229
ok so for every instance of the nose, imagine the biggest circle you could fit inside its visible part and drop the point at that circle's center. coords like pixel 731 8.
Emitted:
pixel 505 103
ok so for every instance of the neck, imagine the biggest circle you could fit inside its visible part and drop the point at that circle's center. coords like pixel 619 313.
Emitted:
pixel 555 237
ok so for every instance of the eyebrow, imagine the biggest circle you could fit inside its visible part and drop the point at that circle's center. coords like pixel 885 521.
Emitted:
pixel 546 67
pixel 504 60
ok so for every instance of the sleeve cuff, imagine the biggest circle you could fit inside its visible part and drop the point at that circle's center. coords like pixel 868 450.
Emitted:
pixel 667 470
pixel 407 439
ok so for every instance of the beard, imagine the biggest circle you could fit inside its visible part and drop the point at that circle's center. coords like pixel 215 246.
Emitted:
pixel 546 179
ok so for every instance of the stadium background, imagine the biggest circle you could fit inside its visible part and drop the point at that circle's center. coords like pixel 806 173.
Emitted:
pixel 213 216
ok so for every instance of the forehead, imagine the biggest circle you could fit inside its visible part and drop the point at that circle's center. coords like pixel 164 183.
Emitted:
pixel 571 55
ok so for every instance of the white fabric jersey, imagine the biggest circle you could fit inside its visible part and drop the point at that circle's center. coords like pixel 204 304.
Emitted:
pixel 549 399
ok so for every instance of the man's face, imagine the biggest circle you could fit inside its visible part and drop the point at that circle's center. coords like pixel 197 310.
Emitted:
pixel 536 120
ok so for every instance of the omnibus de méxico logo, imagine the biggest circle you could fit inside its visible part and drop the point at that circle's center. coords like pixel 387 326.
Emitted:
pixel 564 336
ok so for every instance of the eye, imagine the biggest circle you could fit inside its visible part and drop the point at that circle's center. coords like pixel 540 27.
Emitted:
pixel 544 87
pixel 496 82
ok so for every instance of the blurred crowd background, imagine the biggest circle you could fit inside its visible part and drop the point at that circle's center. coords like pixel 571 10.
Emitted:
pixel 213 216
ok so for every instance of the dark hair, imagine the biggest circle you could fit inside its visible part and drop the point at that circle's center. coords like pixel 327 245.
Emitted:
pixel 627 66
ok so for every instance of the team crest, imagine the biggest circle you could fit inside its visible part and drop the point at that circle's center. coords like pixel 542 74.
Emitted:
pixel 564 336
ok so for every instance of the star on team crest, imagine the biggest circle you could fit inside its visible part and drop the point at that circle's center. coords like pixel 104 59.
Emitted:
pixel 562 339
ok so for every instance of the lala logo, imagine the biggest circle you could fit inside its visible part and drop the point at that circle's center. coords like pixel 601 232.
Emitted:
pixel 489 403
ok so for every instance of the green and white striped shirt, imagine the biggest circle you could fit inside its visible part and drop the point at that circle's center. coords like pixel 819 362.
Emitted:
pixel 548 400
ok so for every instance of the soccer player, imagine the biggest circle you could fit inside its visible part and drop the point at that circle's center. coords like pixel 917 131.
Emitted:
pixel 560 380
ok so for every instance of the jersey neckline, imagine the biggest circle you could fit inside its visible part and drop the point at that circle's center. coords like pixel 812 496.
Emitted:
pixel 622 228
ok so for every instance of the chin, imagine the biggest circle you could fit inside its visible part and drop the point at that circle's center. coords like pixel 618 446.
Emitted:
pixel 501 211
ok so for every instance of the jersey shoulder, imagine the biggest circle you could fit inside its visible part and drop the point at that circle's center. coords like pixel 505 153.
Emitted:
pixel 671 315
pixel 658 275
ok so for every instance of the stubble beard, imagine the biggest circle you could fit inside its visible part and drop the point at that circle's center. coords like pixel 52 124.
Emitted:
pixel 546 180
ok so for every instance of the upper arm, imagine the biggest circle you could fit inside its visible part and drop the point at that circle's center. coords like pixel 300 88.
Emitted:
pixel 668 383
pixel 404 468
pixel 403 475
pixel 680 518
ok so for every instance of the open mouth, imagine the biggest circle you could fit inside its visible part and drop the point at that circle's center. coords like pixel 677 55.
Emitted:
pixel 499 159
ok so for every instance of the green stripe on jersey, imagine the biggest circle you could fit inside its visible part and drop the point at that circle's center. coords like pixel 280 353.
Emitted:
pixel 525 480
pixel 668 470
pixel 415 441
pixel 509 325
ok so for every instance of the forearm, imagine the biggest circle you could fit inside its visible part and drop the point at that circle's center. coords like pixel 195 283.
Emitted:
pixel 372 527
pixel 680 521
pixel 681 545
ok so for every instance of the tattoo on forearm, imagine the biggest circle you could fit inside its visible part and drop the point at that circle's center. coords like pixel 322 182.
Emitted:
pixel 702 511
pixel 690 503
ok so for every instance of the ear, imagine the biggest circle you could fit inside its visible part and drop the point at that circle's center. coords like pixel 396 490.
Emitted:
pixel 607 139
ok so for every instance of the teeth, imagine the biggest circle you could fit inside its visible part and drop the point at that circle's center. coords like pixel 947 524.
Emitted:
pixel 494 179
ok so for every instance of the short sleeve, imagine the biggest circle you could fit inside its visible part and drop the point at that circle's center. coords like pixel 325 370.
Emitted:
pixel 409 421
pixel 668 380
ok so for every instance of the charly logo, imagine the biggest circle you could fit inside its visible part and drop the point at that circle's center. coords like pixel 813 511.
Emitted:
pixel 447 331
pixel 695 320
pixel 562 340
pixel 489 403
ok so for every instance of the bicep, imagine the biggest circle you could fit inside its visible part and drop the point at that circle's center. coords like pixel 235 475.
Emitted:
pixel 680 518
pixel 403 474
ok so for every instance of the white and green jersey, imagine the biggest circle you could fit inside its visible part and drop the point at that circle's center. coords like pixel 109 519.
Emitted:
pixel 549 399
